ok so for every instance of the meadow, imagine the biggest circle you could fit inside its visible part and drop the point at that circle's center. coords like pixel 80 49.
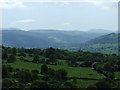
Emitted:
pixel 82 72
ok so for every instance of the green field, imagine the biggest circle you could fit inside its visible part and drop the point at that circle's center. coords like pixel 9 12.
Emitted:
pixel 84 83
pixel 77 68
pixel 83 72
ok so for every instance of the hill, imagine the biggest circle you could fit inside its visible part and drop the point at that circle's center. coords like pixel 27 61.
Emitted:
pixel 45 38
pixel 105 44
pixel 109 38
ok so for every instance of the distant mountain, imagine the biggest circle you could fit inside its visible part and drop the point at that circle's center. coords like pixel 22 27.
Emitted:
pixel 105 44
pixel 45 38
pixel 109 38
pixel 10 29
pixel 18 38
pixel 101 31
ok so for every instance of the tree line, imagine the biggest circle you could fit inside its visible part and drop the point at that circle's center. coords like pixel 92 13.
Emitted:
pixel 22 78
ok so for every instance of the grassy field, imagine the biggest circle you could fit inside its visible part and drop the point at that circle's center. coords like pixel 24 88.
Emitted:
pixel 83 72
pixel 79 71
pixel 84 83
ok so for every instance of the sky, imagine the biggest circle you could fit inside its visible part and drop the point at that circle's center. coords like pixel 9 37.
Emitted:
pixel 59 14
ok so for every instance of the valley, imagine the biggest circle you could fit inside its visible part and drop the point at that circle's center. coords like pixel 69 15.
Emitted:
pixel 104 41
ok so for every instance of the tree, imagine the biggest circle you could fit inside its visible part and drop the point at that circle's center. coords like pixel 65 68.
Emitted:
pixel 39 84
pixel 99 69
pixel 52 59
pixel 5 71
pixel 9 50
pixel 14 51
pixel 94 65
pixel 4 55
pixel 24 75
pixel 44 69
pixel 86 64
pixel 110 75
pixel 118 65
pixel 7 83
pixel 49 51
pixel 60 75
pixel 35 71
pixel 108 67
pixel 103 84
pixel 36 58
pixel 11 58
pixel 21 58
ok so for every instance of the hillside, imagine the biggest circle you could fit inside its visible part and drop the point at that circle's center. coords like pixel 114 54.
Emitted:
pixel 109 38
pixel 105 44
pixel 45 38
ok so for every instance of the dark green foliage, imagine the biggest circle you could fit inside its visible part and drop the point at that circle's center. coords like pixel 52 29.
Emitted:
pixel 118 65
pixel 6 69
pixel 86 64
pixel 4 55
pixel 109 67
pixel 22 54
pixel 106 69
pixel 67 85
pixel 48 52
pixel 99 69
pixel 7 83
pixel 48 76
pixel 39 84
pixel 35 71
pixel 103 84
pixel 52 59
pixel 60 75
pixel 11 58
pixel 36 58
pixel 14 51
pixel 22 58
pixel 24 76
pixel 44 69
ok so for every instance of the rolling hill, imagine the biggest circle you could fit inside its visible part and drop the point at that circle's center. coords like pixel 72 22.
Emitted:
pixel 45 38
pixel 105 44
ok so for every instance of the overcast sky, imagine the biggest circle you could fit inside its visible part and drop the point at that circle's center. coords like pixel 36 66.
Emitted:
pixel 63 14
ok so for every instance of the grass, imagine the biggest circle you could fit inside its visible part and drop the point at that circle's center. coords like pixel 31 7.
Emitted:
pixel 84 83
pixel 117 74
pixel 78 71
pixel 83 72
pixel 26 65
